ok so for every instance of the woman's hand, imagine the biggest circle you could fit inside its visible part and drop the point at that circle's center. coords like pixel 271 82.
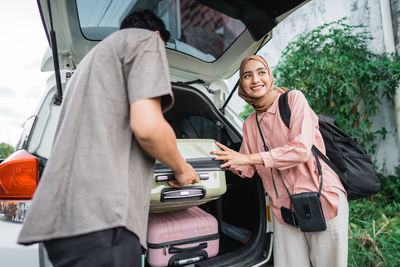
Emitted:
pixel 232 157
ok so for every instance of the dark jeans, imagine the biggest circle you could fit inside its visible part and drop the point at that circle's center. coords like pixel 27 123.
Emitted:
pixel 114 247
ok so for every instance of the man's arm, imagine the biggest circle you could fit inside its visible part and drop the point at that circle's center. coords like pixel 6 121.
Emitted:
pixel 157 138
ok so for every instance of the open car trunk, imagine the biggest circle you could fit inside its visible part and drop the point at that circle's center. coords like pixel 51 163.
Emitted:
pixel 210 51
pixel 244 203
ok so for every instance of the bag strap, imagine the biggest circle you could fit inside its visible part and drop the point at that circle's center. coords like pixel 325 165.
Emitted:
pixel 266 149
pixel 284 108
pixel 314 149
pixel 278 171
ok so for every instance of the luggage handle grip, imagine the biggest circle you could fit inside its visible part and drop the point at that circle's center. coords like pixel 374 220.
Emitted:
pixel 171 176
pixel 174 250
pixel 186 193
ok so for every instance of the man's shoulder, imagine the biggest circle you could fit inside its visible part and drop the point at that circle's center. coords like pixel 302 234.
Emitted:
pixel 133 40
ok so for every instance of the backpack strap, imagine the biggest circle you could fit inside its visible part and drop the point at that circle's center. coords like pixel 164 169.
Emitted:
pixel 284 108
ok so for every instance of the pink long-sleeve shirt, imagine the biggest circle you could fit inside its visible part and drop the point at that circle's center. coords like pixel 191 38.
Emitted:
pixel 290 152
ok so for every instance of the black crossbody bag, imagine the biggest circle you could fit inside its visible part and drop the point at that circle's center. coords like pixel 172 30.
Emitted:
pixel 307 210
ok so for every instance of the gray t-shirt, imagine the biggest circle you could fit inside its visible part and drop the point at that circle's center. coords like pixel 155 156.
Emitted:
pixel 98 177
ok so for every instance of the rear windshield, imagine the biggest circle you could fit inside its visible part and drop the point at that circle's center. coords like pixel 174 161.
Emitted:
pixel 195 29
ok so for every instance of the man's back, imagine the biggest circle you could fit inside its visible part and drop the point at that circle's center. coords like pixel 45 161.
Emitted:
pixel 98 177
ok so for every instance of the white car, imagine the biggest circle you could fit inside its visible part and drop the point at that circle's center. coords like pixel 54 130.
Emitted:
pixel 209 38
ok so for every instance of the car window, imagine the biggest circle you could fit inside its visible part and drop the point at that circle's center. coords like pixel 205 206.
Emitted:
pixel 195 29
pixel 26 132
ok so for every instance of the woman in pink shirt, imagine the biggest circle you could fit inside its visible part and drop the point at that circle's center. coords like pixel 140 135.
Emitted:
pixel 290 153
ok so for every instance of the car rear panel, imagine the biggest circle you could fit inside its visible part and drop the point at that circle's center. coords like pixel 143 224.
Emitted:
pixel 12 254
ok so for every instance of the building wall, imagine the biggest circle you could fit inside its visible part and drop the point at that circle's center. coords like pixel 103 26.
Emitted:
pixel 366 12
pixel 396 22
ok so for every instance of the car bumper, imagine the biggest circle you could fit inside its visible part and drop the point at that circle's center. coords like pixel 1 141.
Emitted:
pixel 13 254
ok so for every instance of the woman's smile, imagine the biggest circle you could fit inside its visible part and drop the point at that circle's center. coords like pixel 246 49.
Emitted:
pixel 257 87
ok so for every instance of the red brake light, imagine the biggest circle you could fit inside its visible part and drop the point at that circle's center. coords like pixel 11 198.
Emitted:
pixel 19 176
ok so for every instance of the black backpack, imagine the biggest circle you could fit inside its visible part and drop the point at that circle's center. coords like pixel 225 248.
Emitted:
pixel 351 162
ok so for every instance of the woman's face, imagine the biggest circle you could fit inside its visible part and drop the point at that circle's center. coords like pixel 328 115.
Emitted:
pixel 254 79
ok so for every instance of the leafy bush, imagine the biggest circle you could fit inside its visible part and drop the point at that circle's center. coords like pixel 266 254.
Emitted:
pixel 246 112
pixel 337 73
pixel 5 150
pixel 374 227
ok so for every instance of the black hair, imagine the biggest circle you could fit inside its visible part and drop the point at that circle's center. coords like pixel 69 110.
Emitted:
pixel 146 19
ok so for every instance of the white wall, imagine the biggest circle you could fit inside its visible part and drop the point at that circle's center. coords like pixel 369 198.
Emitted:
pixel 396 22
pixel 366 12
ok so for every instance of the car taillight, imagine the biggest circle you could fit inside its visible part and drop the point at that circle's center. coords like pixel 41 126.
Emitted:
pixel 19 176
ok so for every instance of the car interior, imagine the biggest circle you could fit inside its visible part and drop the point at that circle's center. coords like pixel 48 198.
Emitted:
pixel 243 204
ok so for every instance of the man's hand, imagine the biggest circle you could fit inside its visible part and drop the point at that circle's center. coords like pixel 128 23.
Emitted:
pixel 188 176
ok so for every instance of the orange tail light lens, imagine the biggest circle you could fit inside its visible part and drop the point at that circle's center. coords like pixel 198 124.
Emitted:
pixel 19 176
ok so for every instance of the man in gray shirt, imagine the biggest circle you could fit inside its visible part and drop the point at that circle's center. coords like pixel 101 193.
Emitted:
pixel 91 206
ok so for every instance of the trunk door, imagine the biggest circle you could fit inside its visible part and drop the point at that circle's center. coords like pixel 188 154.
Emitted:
pixel 209 38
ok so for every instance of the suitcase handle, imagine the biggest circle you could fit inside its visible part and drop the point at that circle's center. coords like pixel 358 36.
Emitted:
pixel 171 176
pixel 187 258
pixel 174 250
pixel 177 194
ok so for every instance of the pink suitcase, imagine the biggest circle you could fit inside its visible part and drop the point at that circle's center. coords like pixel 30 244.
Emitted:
pixel 181 237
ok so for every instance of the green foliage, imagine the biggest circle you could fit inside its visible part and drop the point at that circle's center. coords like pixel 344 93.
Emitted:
pixel 337 73
pixel 246 112
pixel 374 227
pixel 5 150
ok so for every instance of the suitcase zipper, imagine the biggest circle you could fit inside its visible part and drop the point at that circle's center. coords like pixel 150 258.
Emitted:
pixel 166 245
pixel 199 164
